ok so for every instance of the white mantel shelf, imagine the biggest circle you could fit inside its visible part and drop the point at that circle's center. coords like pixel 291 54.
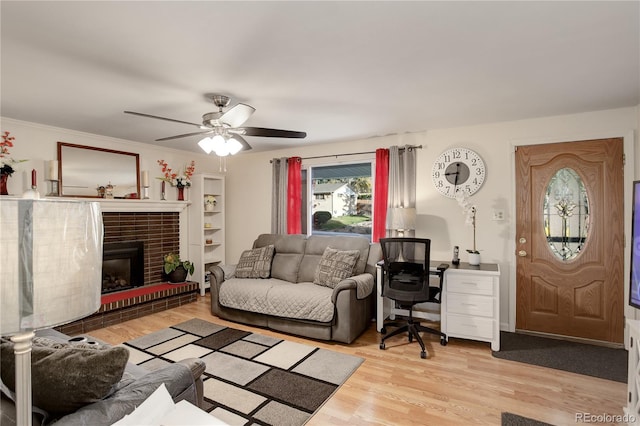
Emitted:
pixel 126 205
pixel 121 205
pixel 132 205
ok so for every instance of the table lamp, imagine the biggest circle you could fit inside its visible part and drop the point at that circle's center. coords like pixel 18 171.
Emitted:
pixel 401 219
pixel 51 273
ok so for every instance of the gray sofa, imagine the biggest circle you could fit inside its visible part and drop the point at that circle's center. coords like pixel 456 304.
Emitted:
pixel 289 301
pixel 182 380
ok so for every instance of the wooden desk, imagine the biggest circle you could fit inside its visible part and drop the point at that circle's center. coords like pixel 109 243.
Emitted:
pixel 470 307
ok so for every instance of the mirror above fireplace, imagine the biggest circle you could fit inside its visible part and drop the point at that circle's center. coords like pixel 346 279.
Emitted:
pixel 83 169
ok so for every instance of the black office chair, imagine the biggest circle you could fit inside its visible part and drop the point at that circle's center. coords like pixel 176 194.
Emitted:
pixel 406 281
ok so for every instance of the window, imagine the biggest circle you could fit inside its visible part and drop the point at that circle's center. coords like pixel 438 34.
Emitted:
pixel 341 199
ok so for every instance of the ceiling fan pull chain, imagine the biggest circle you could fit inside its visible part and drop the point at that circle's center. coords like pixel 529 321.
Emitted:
pixel 223 164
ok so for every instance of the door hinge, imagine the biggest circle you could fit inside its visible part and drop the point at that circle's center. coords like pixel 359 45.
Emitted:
pixel 624 159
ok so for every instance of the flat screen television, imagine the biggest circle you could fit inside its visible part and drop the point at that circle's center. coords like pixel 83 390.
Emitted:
pixel 634 281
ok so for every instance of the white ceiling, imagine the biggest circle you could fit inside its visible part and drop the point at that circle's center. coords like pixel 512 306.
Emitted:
pixel 337 70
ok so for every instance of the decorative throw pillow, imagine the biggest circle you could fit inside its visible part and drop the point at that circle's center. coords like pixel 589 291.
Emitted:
pixel 66 376
pixel 255 263
pixel 335 266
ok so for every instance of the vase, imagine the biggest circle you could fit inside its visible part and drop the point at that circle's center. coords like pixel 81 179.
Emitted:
pixel 181 193
pixel 178 275
pixel 4 177
pixel 474 259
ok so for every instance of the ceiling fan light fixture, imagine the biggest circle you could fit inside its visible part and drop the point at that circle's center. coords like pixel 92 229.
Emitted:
pixel 220 146
pixel 206 144
pixel 234 146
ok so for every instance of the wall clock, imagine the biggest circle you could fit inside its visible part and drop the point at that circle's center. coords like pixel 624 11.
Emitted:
pixel 458 169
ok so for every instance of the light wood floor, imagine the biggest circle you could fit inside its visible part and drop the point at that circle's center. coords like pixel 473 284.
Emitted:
pixel 459 384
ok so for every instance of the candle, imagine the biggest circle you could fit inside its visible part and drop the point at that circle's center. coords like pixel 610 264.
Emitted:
pixel 33 178
pixel 52 170
pixel 145 178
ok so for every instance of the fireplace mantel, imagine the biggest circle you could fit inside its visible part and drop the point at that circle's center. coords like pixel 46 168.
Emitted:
pixel 132 205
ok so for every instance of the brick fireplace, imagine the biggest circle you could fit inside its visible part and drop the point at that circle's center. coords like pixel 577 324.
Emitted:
pixel 158 231
pixel 159 234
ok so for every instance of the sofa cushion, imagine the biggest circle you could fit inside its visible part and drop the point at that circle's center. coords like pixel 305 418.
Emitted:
pixel 247 294
pixel 335 266
pixel 255 263
pixel 67 376
pixel 316 245
pixel 305 301
pixel 176 377
pixel 289 251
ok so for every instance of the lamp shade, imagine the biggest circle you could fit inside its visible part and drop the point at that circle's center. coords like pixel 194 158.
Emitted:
pixel 401 218
pixel 234 146
pixel 51 262
pixel 206 144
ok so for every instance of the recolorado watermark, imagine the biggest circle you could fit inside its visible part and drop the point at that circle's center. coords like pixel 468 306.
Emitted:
pixel 605 418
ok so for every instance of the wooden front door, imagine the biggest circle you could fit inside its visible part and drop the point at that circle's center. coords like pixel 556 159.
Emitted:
pixel 570 239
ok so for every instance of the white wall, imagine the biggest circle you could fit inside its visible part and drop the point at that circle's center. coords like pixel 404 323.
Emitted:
pixel 249 178
pixel 439 218
pixel 38 144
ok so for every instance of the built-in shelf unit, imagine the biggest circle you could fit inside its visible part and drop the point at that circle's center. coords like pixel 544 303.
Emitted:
pixel 206 226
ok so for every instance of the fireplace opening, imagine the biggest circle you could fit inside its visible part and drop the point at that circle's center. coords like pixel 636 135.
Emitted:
pixel 122 266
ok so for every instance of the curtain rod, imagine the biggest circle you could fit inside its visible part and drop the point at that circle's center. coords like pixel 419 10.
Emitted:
pixel 355 153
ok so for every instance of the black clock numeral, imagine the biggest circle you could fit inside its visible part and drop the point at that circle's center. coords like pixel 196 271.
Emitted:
pixel 457 155
pixel 474 162
pixel 436 175
pixel 479 172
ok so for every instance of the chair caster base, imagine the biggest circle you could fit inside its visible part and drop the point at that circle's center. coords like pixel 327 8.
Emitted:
pixel 423 355
pixel 383 330
pixel 382 346
pixel 443 341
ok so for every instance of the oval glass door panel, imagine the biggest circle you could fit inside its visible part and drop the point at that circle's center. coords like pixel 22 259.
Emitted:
pixel 566 214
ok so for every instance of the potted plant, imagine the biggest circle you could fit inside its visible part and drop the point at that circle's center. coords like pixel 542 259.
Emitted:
pixel 474 254
pixel 176 269
pixel 470 211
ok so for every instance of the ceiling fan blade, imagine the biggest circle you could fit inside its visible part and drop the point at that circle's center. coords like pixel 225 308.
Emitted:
pixel 184 136
pixel 162 118
pixel 237 115
pixel 269 133
pixel 244 143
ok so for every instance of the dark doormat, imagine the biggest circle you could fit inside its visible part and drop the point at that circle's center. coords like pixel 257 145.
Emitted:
pixel 510 419
pixel 581 358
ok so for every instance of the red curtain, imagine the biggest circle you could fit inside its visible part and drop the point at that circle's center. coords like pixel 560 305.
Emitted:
pixel 294 196
pixel 380 194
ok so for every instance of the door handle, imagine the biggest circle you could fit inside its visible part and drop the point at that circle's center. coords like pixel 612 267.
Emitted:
pixel 522 253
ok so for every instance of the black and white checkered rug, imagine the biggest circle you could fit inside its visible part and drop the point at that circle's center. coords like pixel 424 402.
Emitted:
pixel 250 378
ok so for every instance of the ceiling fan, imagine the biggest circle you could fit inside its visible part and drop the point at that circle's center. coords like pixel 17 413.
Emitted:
pixel 222 130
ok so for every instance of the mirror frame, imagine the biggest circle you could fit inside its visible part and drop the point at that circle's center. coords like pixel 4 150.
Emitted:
pixel 99 168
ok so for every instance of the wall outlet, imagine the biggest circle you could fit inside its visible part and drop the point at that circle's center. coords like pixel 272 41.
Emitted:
pixel 498 215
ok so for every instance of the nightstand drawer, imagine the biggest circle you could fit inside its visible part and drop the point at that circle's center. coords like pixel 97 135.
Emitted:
pixel 472 284
pixel 470 327
pixel 469 304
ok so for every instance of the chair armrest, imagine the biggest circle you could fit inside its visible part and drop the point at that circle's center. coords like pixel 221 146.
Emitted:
pixel 217 275
pixel 196 365
pixel 363 284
